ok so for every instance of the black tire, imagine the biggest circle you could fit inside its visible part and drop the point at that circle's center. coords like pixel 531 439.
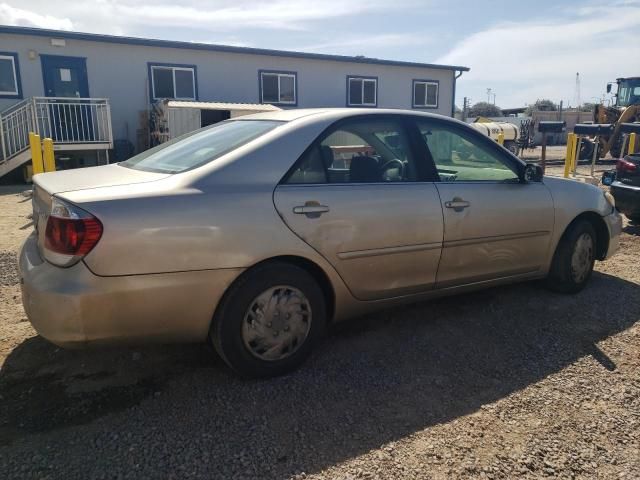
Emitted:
pixel 586 149
pixel 512 146
pixel 616 148
pixel 562 277
pixel 227 326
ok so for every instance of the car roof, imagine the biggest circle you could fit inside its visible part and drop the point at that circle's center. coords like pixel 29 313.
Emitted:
pixel 331 113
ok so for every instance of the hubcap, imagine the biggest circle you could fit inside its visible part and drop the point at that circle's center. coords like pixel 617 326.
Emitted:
pixel 582 258
pixel 276 323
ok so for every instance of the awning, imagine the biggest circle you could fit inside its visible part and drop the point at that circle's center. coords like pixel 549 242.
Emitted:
pixel 253 107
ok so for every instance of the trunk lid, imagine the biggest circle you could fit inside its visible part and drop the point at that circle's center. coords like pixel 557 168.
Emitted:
pixel 93 177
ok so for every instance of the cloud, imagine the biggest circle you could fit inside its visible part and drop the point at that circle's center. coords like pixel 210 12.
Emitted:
pixel 357 44
pixel 122 16
pixel 16 16
pixel 525 61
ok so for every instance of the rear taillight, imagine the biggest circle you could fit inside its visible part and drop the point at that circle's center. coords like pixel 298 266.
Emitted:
pixel 625 166
pixel 71 233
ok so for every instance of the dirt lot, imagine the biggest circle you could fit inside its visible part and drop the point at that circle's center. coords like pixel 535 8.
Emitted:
pixel 509 382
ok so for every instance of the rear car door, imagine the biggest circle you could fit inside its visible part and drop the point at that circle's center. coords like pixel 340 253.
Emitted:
pixel 494 224
pixel 360 198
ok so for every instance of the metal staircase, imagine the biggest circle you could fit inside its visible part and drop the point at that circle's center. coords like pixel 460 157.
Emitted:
pixel 72 123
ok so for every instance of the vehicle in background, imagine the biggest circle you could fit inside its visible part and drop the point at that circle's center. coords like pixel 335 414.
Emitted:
pixel 625 187
pixel 256 233
pixel 493 130
pixel 625 110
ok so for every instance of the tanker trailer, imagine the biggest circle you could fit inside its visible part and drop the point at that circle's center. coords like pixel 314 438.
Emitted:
pixel 493 129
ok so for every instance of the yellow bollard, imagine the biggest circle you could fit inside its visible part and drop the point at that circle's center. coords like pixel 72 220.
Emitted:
pixel 501 138
pixel 569 156
pixel 36 153
pixel 575 155
pixel 632 144
pixel 49 157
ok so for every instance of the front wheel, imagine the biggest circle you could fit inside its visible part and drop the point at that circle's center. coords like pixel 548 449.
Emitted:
pixel 269 320
pixel 573 261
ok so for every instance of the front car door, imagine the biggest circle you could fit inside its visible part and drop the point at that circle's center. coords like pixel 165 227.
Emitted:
pixel 359 197
pixel 495 225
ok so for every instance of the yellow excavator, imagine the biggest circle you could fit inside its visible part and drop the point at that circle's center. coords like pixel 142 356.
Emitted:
pixel 625 110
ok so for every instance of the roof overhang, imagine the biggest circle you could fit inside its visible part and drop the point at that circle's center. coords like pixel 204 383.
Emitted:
pixel 250 107
pixel 94 37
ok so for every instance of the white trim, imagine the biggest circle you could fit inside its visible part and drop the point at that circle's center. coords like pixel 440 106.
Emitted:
pixel 173 79
pixel 15 75
pixel 375 91
pixel 279 75
pixel 426 94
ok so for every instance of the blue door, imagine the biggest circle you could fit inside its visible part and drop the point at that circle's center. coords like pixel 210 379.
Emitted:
pixel 66 78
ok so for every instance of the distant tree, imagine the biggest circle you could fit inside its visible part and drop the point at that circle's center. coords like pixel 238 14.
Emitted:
pixel 543 105
pixel 587 107
pixel 485 109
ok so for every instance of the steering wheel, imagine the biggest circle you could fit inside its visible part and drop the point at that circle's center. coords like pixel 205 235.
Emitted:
pixel 385 166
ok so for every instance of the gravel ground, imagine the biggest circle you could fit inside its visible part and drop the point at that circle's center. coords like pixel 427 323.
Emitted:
pixel 509 382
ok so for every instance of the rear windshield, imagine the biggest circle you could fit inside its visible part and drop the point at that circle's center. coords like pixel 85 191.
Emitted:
pixel 202 146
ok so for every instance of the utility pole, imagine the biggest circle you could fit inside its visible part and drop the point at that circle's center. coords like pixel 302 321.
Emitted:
pixel 488 95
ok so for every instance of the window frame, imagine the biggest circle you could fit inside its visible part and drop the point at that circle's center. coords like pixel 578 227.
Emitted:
pixel 363 78
pixel 279 73
pixel 425 170
pixel 426 83
pixel 173 67
pixel 514 163
pixel 13 56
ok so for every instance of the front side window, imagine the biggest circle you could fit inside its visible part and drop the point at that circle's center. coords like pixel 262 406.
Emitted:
pixel 425 94
pixel 459 157
pixel 202 146
pixel 277 87
pixel 177 82
pixel 362 92
pixel 9 76
pixel 359 151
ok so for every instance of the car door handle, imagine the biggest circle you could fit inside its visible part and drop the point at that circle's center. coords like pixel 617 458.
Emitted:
pixel 311 209
pixel 457 204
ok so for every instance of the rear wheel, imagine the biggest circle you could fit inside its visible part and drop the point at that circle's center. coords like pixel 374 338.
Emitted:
pixel 269 321
pixel 574 259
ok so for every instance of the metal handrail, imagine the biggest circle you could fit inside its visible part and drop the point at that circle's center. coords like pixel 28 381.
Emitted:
pixel 67 120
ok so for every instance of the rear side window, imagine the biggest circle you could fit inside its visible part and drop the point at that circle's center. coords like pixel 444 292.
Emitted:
pixel 358 151
pixel 200 147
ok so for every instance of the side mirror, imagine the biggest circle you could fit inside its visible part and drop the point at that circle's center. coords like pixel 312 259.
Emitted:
pixel 608 88
pixel 533 173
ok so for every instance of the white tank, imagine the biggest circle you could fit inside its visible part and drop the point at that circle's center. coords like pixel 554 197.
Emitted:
pixel 493 129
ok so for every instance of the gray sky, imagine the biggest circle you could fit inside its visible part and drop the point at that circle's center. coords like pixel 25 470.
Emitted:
pixel 521 50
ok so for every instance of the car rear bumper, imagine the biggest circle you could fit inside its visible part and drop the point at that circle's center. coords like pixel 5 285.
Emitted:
pixel 627 198
pixel 73 307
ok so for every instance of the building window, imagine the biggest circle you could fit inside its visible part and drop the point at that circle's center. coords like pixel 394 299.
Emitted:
pixel 362 92
pixel 425 94
pixel 173 81
pixel 278 87
pixel 9 76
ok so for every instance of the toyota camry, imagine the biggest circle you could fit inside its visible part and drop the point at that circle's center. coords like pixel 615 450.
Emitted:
pixel 256 233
